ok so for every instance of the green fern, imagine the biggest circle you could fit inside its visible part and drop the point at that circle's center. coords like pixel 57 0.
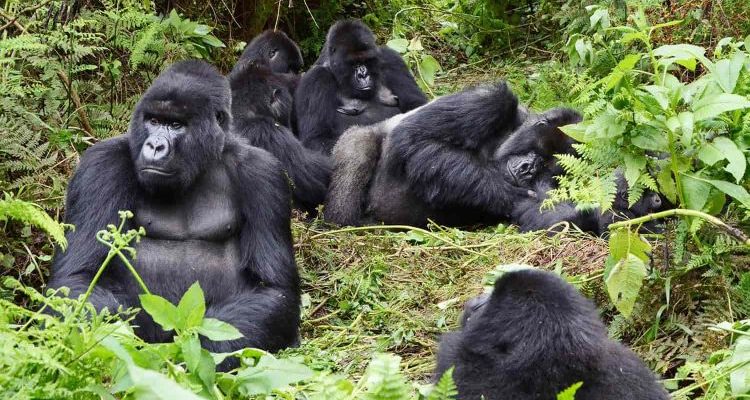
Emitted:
pixel 32 214
pixel 445 389
pixel 384 381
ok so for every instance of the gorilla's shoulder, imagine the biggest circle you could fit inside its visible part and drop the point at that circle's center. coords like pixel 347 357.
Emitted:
pixel 316 73
pixel 238 151
pixel 107 152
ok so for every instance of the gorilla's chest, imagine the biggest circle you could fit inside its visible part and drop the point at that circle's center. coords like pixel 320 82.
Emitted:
pixel 191 237
pixel 373 112
pixel 207 211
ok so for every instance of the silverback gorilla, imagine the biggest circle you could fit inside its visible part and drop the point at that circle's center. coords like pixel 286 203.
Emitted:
pixel 354 82
pixel 535 336
pixel 215 210
pixel 261 104
pixel 435 162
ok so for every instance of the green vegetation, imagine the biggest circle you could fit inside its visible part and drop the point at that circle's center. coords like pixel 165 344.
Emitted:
pixel 665 91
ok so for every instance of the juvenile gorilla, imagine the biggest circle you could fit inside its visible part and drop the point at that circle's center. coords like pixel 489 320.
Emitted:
pixel 354 82
pixel 276 49
pixel 215 210
pixel 435 162
pixel 261 104
pixel 535 336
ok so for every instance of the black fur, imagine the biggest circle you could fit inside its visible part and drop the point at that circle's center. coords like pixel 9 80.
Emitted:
pixel 275 49
pixel 261 103
pixel 221 218
pixel 535 336
pixel 436 163
pixel 325 93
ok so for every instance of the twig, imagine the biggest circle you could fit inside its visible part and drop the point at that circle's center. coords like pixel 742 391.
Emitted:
pixel 77 102
pixel 732 231
pixel 11 21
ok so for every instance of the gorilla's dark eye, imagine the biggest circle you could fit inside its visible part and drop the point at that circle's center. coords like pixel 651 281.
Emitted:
pixel 175 125
pixel 273 53
pixel 154 121
pixel 220 117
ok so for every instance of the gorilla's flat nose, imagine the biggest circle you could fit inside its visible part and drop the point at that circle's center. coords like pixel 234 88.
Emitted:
pixel 155 148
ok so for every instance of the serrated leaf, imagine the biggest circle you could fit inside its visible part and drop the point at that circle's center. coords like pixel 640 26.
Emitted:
pixel 730 151
pixel 687 125
pixel 682 54
pixel 191 351
pixel 695 192
pixel 728 71
pixel 218 331
pixel 162 311
pixel 428 67
pixel 399 45
pixel 713 105
pixel 192 307
pixel 270 374
pixel 634 165
pixel 570 392
pixel 660 95
pixel 739 193
pixel 624 282
pixel 739 364
pixel 667 185
pixel 151 385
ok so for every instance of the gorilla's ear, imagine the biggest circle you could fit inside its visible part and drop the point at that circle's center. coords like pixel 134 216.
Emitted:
pixel 562 116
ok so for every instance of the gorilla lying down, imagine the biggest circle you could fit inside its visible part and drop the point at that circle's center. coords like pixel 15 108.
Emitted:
pixel 471 158
pixel 215 210
pixel 535 336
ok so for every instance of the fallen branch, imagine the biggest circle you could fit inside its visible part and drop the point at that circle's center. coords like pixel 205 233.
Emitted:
pixel 82 116
pixel 731 231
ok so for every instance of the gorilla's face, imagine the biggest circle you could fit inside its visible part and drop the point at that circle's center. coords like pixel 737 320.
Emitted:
pixel 473 309
pixel 354 60
pixel 179 127
pixel 282 54
pixel 523 168
pixel 258 92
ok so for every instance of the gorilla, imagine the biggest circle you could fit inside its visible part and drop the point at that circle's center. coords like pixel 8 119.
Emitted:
pixel 433 163
pixel 535 336
pixel 215 210
pixel 261 105
pixel 277 50
pixel 354 82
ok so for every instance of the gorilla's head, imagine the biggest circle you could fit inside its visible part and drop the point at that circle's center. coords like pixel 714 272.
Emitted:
pixel 179 126
pixel 531 148
pixel 275 48
pixel 258 92
pixel 532 308
pixel 353 57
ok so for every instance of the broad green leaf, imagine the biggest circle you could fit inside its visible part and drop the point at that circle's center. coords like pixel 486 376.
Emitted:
pixel 270 374
pixel 660 94
pixel 738 192
pixel 192 307
pixel 569 393
pixel 212 41
pixel 682 54
pixel 399 45
pixel 191 351
pixel 151 385
pixel 428 66
pixel 162 311
pixel 207 370
pixel 649 138
pixel 601 17
pixel 576 131
pixel 710 106
pixel 606 126
pixel 737 161
pixel 695 191
pixel 709 154
pixel 218 331
pixel 634 165
pixel 687 125
pixel 739 362
pixel 624 282
pixel 667 185
pixel 623 242
pixel 728 71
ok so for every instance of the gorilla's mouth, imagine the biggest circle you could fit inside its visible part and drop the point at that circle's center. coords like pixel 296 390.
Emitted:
pixel 156 171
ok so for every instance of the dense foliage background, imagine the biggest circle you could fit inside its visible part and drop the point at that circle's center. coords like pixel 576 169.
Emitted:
pixel 664 87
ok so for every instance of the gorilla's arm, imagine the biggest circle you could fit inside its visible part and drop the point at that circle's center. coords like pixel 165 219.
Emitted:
pixel 355 158
pixel 103 184
pixel 448 350
pixel 398 79
pixel 438 149
pixel 315 104
pixel 309 170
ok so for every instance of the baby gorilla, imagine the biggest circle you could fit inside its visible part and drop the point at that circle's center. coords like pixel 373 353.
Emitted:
pixel 535 336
